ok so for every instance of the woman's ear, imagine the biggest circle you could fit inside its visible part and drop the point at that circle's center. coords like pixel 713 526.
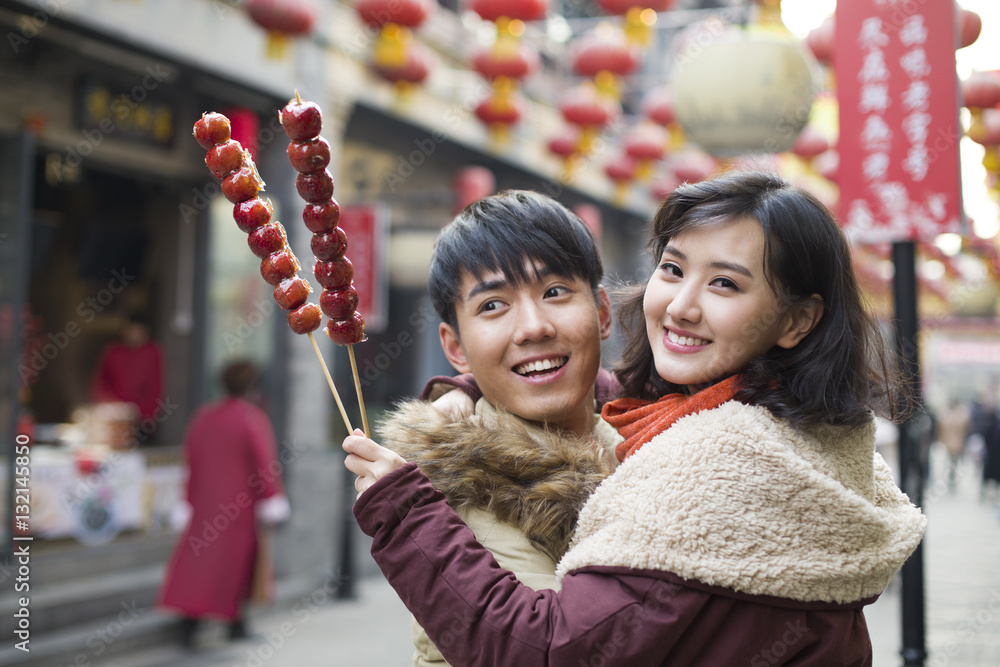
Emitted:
pixel 604 313
pixel 452 347
pixel 802 318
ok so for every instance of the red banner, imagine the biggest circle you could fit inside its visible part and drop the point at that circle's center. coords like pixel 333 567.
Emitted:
pixel 898 97
pixel 366 226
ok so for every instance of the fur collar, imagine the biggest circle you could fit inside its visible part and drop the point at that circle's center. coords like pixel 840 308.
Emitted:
pixel 734 498
pixel 533 479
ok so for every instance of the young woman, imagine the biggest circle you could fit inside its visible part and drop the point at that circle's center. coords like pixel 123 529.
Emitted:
pixel 751 518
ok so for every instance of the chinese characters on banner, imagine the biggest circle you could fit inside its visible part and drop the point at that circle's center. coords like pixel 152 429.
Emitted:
pixel 899 133
pixel 366 228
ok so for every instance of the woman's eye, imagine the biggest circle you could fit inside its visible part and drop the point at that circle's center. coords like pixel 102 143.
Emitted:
pixel 726 283
pixel 671 269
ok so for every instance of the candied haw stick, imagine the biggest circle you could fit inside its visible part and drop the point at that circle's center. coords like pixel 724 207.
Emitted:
pixel 241 183
pixel 309 154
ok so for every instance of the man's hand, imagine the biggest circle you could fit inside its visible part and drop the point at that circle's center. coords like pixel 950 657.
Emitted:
pixel 368 460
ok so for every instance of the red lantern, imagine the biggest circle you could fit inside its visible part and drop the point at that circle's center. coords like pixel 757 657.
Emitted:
pixel 567 147
pixel 584 107
pixel 520 10
pixel 605 57
pixel 986 132
pixel 810 143
pixel 395 19
pixel 658 106
pixel 664 185
pixel 622 172
pixel 408 13
pixel 646 144
pixel 590 216
pixel 981 90
pixel 499 113
pixel 413 71
pixel 970 25
pixel 244 126
pixel 820 41
pixel 282 19
pixel 504 65
pixel 691 165
pixel 514 60
pixel 639 15
pixel 471 184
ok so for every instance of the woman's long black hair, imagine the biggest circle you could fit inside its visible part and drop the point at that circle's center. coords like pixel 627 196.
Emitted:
pixel 841 370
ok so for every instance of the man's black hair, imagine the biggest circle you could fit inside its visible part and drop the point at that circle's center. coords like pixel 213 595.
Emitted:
pixel 500 233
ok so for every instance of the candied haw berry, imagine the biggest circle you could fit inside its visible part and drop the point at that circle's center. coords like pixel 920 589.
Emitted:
pixel 278 266
pixel 211 129
pixel 242 185
pixel 291 293
pixel 334 275
pixel 305 318
pixel 267 239
pixel 225 158
pixel 302 120
pixel 252 213
pixel 322 217
pixel 316 187
pixel 329 246
pixel 308 156
pixel 347 332
pixel 339 304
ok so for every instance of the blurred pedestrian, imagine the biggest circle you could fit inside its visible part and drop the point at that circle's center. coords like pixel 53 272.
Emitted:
pixel 234 484
pixel 954 425
pixel 986 425
pixel 131 370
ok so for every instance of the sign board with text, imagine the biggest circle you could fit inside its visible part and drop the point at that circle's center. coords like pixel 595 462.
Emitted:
pixel 366 226
pixel 898 96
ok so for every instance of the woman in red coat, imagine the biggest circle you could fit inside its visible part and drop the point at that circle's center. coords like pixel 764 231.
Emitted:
pixel 233 467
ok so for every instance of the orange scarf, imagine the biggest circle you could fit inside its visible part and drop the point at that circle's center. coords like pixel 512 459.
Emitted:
pixel 640 421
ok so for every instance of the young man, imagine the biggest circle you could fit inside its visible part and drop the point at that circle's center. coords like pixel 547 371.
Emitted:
pixel 515 279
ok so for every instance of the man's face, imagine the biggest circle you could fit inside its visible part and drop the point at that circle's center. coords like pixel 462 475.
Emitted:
pixel 535 349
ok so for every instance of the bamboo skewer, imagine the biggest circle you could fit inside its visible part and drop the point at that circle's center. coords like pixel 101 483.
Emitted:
pixel 329 381
pixel 357 389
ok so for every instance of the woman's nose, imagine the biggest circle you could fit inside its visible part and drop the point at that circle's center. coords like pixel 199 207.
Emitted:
pixel 685 304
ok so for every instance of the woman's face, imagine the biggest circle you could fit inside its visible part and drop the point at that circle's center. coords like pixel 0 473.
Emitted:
pixel 709 309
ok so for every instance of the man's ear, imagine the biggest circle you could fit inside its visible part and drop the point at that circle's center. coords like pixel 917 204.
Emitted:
pixel 452 347
pixel 802 318
pixel 604 314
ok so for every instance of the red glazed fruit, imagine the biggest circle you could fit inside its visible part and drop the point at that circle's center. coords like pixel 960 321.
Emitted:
pixel 305 318
pixel 339 304
pixel 329 246
pixel 278 266
pixel 291 293
pixel 347 332
pixel 224 158
pixel 267 239
pixel 211 129
pixel 302 120
pixel 252 213
pixel 322 217
pixel 334 275
pixel 308 156
pixel 316 187
pixel 241 185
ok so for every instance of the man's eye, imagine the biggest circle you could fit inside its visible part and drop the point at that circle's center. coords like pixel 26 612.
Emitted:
pixel 488 306
pixel 555 291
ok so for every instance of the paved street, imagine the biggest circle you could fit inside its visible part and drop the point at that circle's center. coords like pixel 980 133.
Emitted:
pixel 962 579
